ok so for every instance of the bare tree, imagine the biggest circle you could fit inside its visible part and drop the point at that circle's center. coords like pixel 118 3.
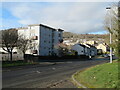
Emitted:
pixel 23 44
pixel 62 49
pixel 9 40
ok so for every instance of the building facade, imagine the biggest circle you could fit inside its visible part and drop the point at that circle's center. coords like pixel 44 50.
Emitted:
pixel 105 48
pixel 44 39
pixel 81 49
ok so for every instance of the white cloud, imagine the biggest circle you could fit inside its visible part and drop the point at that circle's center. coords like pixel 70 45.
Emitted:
pixel 74 17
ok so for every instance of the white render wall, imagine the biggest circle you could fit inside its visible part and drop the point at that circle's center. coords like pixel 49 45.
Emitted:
pixel 34 31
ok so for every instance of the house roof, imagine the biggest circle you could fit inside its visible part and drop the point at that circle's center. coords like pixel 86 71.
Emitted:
pixel 22 28
pixel 91 45
pixel 82 45
pixel 60 29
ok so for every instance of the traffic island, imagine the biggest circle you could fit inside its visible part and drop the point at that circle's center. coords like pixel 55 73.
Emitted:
pixel 100 76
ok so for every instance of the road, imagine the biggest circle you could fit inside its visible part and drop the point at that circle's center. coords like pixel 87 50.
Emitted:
pixel 51 76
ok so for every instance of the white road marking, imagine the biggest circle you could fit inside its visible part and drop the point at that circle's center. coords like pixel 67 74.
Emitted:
pixel 53 68
pixel 38 71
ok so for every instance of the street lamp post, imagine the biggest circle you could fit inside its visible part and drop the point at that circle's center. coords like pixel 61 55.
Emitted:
pixel 110 36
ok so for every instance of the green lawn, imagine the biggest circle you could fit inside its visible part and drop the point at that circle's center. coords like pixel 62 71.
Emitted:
pixel 100 76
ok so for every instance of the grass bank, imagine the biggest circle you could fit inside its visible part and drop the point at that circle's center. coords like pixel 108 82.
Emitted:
pixel 16 63
pixel 100 76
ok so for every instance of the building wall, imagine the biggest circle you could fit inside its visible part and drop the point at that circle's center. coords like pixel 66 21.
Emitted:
pixel 47 39
pixel 34 31
pixel 79 49
pixel 15 57
pixel 56 41
pixel 87 51
pixel 93 51
pixel 103 47
pixel 90 42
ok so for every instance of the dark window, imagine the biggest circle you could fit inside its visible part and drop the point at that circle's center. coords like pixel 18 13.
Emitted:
pixel 61 40
pixel 44 41
pixel 59 35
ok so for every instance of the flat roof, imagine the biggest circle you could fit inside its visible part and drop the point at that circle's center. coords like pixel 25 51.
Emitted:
pixel 42 25
pixel 60 29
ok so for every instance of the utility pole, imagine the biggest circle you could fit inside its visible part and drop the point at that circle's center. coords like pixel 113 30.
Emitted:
pixel 109 8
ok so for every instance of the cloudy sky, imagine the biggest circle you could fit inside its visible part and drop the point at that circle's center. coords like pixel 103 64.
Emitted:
pixel 77 17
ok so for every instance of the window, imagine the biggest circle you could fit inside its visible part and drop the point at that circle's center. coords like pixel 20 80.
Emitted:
pixel 52 40
pixel 35 37
pixel 52 46
pixel 59 35
pixel 44 41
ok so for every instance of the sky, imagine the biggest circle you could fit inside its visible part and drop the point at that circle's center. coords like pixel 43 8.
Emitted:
pixel 76 17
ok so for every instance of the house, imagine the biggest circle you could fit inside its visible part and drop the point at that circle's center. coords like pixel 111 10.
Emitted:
pixel 93 50
pixel 102 47
pixel 90 42
pixel 81 49
pixel 44 39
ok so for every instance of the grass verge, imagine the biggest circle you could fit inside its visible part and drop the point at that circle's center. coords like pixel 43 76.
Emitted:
pixel 16 63
pixel 100 76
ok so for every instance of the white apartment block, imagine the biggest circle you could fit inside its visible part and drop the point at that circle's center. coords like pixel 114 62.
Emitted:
pixel 44 39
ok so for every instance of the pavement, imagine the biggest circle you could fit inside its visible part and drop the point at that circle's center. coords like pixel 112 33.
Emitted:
pixel 50 76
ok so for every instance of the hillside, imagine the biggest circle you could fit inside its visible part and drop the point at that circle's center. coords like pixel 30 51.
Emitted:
pixel 95 37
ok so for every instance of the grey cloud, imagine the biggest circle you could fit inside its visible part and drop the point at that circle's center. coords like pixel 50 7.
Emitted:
pixel 76 17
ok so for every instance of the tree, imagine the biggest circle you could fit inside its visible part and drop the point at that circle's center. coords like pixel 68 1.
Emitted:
pixel 9 40
pixel 23 44
pixel 112 25
pixel 62 49
pixel 119 30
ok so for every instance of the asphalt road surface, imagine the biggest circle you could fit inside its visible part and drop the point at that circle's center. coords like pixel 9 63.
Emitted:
pixel 51 76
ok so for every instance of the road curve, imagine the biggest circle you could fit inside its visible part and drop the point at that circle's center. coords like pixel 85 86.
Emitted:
pixel 52 76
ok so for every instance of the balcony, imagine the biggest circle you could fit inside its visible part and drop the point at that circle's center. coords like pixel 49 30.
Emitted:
pixel 34 51
pixel 35 38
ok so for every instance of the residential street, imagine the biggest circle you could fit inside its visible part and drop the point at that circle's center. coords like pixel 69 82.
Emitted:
pixel 51 76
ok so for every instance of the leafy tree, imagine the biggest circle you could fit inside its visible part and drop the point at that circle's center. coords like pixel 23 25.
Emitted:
pixel 112 25
pixel 119 30
pixel 9 40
